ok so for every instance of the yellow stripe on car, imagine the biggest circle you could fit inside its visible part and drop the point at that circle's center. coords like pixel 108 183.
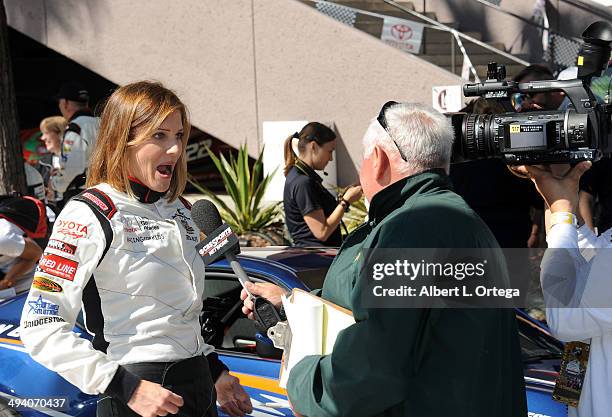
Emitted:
pixel 259 382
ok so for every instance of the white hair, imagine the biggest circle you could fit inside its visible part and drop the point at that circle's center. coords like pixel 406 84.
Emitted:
pixel 424 136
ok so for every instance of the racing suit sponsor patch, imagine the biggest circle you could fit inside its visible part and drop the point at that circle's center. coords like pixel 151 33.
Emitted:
pixel 58 266
pixel 42 320
pixel 184 220
pixel 100 200
pixel 43 307
pixel 62 246
pixel 45 284
pixel 71 228
pixel 141 239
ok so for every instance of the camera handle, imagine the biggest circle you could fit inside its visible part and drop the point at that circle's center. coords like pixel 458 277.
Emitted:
pixel 576 90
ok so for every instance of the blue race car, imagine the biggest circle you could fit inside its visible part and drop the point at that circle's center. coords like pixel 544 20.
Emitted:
pixel 26 387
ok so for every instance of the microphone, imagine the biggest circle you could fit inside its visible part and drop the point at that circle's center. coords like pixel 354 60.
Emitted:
pixel 221 242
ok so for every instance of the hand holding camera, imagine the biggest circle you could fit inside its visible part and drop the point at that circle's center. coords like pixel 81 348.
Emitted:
pixel 557 184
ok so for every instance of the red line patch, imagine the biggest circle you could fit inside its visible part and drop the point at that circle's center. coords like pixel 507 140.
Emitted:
pixel 58 266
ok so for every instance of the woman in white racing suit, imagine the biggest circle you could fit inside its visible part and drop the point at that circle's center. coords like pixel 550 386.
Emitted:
pixel 124 251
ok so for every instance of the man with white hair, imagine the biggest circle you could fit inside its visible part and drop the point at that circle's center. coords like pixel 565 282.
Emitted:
pixel 409 361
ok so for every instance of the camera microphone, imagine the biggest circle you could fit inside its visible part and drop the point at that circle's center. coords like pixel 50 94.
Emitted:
pixel 221 242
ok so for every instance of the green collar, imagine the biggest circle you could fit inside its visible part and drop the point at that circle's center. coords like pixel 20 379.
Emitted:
pixel 394 196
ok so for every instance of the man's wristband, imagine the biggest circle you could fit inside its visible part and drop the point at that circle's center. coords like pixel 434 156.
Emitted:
pixel 563 217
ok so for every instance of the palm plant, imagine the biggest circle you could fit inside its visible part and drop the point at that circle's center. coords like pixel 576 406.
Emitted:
pixel 246 188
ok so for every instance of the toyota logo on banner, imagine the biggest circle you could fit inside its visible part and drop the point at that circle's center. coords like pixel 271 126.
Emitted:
pixel 401 32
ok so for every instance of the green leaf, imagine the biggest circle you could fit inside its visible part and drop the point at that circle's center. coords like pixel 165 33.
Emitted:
pixel 246 187
pixel 215 199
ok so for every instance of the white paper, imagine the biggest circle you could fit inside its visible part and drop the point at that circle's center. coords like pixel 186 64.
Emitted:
pixel 307 316
pixel 334 322
pixel 314 324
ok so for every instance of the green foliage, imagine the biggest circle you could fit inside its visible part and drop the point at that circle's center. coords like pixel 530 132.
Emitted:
pixel 246 188
pixel 356 216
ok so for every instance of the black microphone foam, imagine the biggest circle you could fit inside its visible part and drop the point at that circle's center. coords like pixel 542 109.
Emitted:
pixel 206 216
pixel 221 242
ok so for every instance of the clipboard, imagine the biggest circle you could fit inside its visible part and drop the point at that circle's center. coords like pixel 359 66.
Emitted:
pixel 315 324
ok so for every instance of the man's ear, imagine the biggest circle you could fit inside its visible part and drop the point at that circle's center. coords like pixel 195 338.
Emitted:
pixel 380 163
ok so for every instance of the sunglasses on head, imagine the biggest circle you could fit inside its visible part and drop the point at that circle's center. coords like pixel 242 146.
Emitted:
pixel 382 120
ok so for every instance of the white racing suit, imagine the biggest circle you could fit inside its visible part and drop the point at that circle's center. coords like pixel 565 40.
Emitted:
pixel 78 143
pixel 141 299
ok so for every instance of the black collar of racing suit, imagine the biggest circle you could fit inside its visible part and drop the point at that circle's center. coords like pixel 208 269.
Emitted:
pixel 143 193
pixel 84 112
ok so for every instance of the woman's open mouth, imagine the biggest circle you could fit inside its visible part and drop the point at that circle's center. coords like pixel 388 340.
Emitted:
pixel 165 170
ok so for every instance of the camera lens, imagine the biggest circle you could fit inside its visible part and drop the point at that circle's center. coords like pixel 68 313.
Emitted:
pixel 474 133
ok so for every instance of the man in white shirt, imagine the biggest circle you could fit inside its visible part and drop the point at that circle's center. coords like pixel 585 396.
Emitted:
pixel 18 257
pixel 577 284
pixel 78 141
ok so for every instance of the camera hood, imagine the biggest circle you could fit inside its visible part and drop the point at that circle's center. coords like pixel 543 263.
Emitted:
pixel 595 52
pixel 599 33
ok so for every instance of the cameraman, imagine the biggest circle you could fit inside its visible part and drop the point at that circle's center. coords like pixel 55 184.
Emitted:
pixel 549 100
pixel 577 282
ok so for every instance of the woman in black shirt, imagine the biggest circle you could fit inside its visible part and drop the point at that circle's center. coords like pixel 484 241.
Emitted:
pixel 312 213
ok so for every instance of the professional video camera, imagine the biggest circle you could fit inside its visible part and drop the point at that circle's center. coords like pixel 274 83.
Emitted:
pixel 583 132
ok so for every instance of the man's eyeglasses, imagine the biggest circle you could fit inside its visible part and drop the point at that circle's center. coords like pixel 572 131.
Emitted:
pixel 383 122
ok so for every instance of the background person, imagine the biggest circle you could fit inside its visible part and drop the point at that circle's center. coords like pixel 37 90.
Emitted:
pixel 53 129
pixel 408 362
pixel 504 201
pixel 595 203
pixel 35 184
pixel 550 100
pixel 78 141
pixel 125 251
pixel 576 284
pixel 19 253
pixel 312 214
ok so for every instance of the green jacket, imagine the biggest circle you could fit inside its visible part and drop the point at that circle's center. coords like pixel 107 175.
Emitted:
pixel 413 362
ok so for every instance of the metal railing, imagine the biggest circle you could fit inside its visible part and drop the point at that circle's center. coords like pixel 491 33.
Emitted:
pixel 596 10
pixel 523 19
pixel 447 28
pixel 561 49
pixel 346 15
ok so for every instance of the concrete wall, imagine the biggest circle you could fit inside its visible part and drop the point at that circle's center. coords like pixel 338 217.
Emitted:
pixel 238 63
pixel 517 36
